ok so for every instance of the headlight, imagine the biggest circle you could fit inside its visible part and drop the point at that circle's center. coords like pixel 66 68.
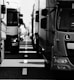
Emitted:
pixel 61 60
pixel 43 49
pixel 70 45
pixel 14 40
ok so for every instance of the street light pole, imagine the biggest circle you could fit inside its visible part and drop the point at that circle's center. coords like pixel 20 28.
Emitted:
pixel 38 27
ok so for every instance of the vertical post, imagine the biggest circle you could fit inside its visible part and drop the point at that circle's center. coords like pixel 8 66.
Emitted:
pixel 32 23
pixel 2 51
pixel 39 14
pixel 38 27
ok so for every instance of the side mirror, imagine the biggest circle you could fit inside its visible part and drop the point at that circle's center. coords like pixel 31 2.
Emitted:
pixel 44 12
pixel 20 15
pixel 20 21
pixel 37 16
pixel 3 9
pixel 44 23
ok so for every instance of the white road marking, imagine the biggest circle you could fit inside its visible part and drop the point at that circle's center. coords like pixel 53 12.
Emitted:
pixel 24 71
pixel 27 51
pixel 22 63
pixel 25 55
pixel 23 47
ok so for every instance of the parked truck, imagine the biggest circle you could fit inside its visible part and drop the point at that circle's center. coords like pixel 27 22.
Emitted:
pixel 55 29
pixel 43 24
pixel 12 20
pixel 63 48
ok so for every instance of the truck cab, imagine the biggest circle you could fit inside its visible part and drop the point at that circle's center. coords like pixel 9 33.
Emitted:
pixel 63 48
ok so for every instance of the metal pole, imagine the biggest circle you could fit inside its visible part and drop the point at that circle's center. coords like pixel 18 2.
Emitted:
pixel 38 26
pixel 39 14
pixel 33 21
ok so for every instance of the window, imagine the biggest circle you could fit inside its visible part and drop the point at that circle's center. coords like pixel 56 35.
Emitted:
pixel 12 17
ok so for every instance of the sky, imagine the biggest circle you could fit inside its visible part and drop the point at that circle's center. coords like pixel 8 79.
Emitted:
pixel 26 9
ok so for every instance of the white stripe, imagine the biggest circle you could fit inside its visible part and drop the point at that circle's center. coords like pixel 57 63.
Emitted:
pixel 26 45
pixel 22 47
pixel 27 40
pixel 27 52
pixel 26 55
pixel 17 63
pixel 29 45
pixel 72 23
pixel 28 60
pixel 34 60
pixel 23 65
pixel 24 71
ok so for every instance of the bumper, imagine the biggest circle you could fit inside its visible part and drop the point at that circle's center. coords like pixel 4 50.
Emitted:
pixel 61 65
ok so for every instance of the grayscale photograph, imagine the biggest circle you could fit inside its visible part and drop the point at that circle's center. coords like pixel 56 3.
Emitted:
pixel 36 39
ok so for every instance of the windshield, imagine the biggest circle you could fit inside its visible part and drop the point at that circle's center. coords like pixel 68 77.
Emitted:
pixel 12 17
pixel 65 20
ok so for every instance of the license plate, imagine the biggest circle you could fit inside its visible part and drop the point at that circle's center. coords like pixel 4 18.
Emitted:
pixel 70 45
pixel 14 44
